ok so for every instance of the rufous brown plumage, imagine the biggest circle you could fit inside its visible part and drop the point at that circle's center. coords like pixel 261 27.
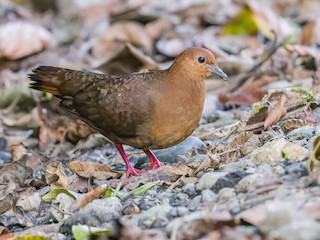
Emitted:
pixel 149 110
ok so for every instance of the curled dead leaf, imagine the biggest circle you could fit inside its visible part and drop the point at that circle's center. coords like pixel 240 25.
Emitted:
pixel 276 113
pixel 56 176
pixel 93 169
pixel 90 196
pixel 19 39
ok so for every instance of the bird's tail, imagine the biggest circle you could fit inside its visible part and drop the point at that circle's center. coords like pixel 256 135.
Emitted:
pixel 59 81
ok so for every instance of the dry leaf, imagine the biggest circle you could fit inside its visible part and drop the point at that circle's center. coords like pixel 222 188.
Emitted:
pixel 123 32
pixel 125 58
pixel 17 151
pixel 90 196
pixel 47 136
pixel 20 39
pixel 78 130
pixel 93 169
pixel 181 170
pixel 276 113
pixel 56 176
pixel 303 51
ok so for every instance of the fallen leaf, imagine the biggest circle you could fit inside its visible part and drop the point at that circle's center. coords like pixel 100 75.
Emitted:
pixel 276 113
pixel 93 169
pixel 19 39
pixel 90 196
pixel 84 231
pixel 56 176
pixel 303 51
pixel 55 192
pixel 313 163
pixel 125 58
pixel 18 151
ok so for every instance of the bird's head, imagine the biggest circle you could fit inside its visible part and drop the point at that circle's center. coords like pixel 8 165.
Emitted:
pixel 197 63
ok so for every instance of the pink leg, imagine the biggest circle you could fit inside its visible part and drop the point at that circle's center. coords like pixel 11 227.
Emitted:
pixel 154 162
pixel 130 169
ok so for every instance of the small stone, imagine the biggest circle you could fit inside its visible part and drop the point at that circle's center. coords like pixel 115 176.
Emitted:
pixel 209 179
pixel 160 222
pixel 269 152
pixel 278 150
pixel 229 180
pixel 189 189
pixel 279 170
pixel 297 169
pixel 243 164
pixel 195 203
pixel 208 195
pixel 295 152
pixel 180 199
pixel 226 194
pixel 305 132
pixel 181 211
pixel 131 208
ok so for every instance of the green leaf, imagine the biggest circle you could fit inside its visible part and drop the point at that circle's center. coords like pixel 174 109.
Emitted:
pixel 55 192
pixel 111 192
pixel 84 231
pixel 140 190
pixel 30 237
pixel 244 23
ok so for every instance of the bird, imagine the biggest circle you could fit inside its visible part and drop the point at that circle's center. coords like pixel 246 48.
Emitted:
pixel 146 110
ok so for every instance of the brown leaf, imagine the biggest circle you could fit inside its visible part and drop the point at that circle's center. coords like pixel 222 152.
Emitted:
pixel 125 58
pixel 276 113
pixel 303 51
pixel 56 176
pixel 124 32
pixel 17 151
pixel 90 196
pixel 93 169
pixel 180 170
pixel 78 130
pixel 47 136
pixel 19 39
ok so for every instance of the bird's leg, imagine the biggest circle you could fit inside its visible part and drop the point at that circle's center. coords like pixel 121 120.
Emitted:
pixel 154 162
pixel 130 169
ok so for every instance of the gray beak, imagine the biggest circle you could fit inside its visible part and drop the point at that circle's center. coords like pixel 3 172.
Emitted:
pixel 216 70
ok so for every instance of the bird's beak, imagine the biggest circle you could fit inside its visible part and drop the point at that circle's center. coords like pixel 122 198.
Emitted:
pixel 216 70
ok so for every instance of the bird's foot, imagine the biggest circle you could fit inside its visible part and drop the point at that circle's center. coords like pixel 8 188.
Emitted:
pixel 133 171
pixel 154 165
pixel 154 162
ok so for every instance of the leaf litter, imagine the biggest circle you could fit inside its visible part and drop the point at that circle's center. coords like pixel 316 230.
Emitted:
pixel 259 136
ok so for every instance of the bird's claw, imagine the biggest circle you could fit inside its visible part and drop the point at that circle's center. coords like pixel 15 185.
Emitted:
pixel 133 171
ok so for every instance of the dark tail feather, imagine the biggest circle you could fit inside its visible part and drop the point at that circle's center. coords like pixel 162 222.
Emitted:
pixel 46 79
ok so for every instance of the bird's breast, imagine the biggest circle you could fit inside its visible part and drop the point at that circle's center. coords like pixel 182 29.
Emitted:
pixel 177 115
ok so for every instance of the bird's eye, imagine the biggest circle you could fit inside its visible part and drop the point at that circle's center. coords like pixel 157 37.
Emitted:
pixel 201 59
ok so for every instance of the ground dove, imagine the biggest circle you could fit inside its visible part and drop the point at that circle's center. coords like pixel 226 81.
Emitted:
pixel 147 110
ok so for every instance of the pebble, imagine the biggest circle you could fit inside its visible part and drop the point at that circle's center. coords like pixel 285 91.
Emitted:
pixel 208 180
pixel 305 132
pixel 278 170
pixel 278 150
pixel 297 169
pixel 179 199
pixel 226 194
pixel 195 203
pixel 229 180
pixel 189 189
pixel 243 164
pixel 208 195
